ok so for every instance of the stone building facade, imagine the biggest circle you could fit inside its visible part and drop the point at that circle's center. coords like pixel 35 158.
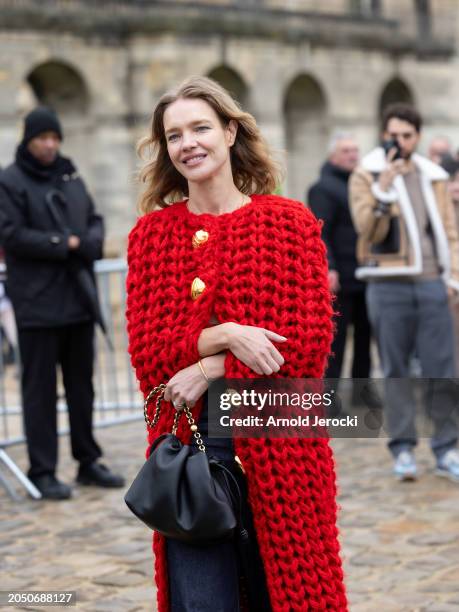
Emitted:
pixel 304 68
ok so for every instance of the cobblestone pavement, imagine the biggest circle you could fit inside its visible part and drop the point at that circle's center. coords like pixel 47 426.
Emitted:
pixel 400 541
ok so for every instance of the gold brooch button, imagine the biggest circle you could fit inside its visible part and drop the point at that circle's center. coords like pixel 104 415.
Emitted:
pixel 197 288
pixel 200 237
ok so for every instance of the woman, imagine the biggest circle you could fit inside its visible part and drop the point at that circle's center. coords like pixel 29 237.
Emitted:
pixel 226 280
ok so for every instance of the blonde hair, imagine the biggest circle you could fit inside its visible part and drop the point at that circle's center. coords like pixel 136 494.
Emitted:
pixel 254 170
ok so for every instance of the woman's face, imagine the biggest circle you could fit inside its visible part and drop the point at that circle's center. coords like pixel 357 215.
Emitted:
pixel 197 142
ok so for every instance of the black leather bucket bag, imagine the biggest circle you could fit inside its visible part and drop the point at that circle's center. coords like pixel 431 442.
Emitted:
pixel 184 495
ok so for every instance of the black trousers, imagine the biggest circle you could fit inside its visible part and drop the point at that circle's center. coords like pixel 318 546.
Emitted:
pixel 352 309
pixel 41 351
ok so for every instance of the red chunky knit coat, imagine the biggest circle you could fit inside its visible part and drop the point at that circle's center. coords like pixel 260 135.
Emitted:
pixel 263 265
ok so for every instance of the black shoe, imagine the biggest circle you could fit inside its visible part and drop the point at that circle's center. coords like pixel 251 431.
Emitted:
pixel 99 475
pixel 51 488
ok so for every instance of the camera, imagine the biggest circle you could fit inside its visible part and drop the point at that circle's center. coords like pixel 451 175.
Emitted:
pixel 387 145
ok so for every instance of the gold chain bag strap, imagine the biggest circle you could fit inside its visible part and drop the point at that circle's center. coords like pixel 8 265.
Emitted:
pixel 182 494
pixel 160 389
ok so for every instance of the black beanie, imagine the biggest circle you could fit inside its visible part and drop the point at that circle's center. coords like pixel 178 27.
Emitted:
pixel 41 119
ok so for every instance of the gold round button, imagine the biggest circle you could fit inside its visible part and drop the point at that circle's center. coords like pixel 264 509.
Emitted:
pixel 200 237
pixel 197 288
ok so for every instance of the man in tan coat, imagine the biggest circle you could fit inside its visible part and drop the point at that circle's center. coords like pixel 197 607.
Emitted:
pixel 451 166
pixel 408 251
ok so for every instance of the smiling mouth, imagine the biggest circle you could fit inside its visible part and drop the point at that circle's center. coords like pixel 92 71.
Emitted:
pixel 193 161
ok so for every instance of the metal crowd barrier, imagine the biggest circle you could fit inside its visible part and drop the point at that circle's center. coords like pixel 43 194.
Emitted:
pixel 117 399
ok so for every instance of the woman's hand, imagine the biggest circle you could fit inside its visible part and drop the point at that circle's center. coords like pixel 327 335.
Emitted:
pixel 187 385
pixel 254 347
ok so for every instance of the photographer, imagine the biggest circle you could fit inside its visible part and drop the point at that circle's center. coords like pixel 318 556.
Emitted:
pixel 409 254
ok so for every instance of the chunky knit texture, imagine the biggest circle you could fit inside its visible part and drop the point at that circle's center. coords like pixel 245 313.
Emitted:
pixel 263 265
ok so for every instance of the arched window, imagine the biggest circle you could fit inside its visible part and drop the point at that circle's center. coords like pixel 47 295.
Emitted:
pixel 305 114
pixel 230 80
pixel 60 86
pixel 395 90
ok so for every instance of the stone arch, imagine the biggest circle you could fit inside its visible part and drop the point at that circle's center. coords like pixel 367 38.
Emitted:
pixel 395 90
pixel 306 132
pixel 59 85
pixel 232 81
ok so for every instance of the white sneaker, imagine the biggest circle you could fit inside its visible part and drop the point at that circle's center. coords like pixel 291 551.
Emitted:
pixel 448 465
pixel 405 466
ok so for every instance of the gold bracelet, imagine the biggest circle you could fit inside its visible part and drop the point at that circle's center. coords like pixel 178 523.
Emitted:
pixel 203 371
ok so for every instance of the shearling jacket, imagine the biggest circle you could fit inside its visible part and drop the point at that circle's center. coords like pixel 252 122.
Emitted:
pixel 389 243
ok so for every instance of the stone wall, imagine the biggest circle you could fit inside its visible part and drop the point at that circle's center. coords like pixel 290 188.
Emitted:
pixel 104 65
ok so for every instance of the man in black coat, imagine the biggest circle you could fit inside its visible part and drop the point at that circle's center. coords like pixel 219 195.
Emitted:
pixel 51 235
pixel 328 199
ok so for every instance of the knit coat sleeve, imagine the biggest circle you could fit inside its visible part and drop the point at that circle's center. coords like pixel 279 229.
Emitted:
pixel 304 313
pixel 291 481
pixel 160 346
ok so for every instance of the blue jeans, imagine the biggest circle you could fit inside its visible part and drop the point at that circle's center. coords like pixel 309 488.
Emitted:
pixel 203 579
pixel 207 578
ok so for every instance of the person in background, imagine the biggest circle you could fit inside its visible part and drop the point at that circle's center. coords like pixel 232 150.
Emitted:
pixel 439 149
pixel 51 235
pixel 328 200
pixel 451 166
pixel 408 252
